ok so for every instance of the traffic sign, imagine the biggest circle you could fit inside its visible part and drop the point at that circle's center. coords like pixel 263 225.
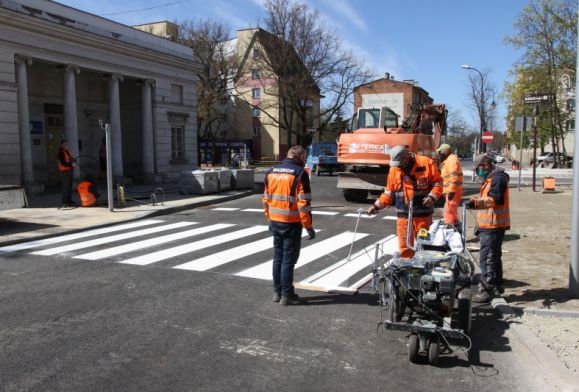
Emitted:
pixel 487 137
pixel 537 98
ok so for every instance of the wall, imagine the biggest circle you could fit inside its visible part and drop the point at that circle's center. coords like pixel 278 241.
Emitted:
pixel 9 137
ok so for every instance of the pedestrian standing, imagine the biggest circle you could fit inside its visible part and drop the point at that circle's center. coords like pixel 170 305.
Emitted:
pixel 494 219
pixel 411 178
pixel 65 165
pixel 286 203
pixel 451 171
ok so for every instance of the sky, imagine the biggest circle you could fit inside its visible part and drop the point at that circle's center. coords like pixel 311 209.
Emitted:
pixel 423 40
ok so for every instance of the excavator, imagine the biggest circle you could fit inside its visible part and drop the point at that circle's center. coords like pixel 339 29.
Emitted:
pixel 365 152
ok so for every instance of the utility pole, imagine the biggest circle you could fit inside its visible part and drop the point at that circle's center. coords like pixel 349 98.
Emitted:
pixel 574 270
pixel 535 115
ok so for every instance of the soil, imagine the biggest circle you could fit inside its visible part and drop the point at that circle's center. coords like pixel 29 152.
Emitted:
pixel 536 264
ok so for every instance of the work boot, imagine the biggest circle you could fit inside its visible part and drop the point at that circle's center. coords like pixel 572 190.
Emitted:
pixel 276 297
pixel 291 300
pixel 485 294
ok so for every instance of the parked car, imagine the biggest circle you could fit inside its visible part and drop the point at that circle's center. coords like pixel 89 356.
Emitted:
pixel 499 158
pixel 549 159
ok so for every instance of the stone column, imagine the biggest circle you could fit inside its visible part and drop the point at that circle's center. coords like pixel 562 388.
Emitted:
pixel 70 114
pixel 24 119
pixel 115 121
pixel 148 138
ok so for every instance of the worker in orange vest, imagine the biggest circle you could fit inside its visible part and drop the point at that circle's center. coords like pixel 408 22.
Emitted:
pixel 494 219
pixel 88 192
pixel 451 172
pixel 65 165
pixel 286 202
pixel 411 177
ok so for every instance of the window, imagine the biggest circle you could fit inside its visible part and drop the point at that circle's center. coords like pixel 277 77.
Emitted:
pixel 177 143
pixel 571 125
pixel 255 112
pixel 255 93
pixel 256 131
pixel 176 94
pixel 255 74
pixel 256 53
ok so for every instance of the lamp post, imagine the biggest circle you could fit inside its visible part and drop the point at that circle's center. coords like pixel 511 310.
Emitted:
pixel 481 105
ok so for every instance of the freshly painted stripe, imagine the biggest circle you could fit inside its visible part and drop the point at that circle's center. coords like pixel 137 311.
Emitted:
pixel 229 255
pixel 307 255
pixel 194 246
pixel 118 250
pixel 76 236
pixel 352 267
pixel 365 216
pixel 325 213
pixel 225 209
pixel 113 238
pixel 253 209
pixel 390 218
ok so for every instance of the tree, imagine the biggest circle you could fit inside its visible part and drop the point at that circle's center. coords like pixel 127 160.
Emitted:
pixel 459 134
pixel 208 40
pixel 481 95
pixel 546 32
pixel 306 60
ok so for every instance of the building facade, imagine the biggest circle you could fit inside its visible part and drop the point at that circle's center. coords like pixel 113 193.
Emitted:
pixel 64 71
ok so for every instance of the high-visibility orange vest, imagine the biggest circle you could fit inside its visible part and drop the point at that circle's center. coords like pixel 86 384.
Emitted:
pixel 287 194
pixel 87 199
pixel 451 172
pixel 67 158
pixel 493 215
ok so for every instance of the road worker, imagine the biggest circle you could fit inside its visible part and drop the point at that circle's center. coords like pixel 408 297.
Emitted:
pixel 451 172
pixel 88 192
pixel 286 203
pixel 65 165
pixel 493 220
pixel 411 177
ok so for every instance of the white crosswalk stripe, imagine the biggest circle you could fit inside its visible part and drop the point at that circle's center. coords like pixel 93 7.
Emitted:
pixel 191 247
pixel 114 238
pixel 307 255
pixel 76 236
pixel 249 255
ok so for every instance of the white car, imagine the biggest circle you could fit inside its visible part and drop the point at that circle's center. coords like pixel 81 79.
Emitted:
pixel 499 158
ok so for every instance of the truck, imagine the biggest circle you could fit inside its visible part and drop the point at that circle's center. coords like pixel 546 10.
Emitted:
pixel 365 152
pixel 322 157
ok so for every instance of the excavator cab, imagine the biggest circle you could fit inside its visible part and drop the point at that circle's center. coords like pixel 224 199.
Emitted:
pixel 377 118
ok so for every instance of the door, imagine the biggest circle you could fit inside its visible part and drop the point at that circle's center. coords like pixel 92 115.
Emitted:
pixel 54 135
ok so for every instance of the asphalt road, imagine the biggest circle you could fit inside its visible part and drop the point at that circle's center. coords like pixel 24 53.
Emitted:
pixel 167 311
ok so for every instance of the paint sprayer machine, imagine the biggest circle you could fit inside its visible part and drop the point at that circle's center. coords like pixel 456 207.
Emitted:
pixel 429 295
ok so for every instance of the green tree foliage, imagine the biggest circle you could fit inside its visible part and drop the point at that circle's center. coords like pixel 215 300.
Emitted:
pixel 546 34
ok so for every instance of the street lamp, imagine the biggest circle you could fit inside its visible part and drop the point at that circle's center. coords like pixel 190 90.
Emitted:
pixel 481 105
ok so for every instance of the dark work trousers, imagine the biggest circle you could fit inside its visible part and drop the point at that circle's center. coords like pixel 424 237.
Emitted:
pixel 287 239
pixel 66 179
pixel 491 263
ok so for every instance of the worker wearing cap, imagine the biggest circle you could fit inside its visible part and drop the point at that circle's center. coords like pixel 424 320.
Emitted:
pixel 286 202
pixel 451 172
pixel 493 219
pixel 411 177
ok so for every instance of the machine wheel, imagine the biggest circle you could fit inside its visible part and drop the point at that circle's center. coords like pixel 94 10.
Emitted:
pixel 413 347
pixel 433 351
pixel 317 170
pixel 357 195
pixel 464 310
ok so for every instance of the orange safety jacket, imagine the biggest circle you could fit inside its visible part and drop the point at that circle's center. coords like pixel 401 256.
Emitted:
pixel 87 198
pixel 451 174
pixel 423 180
pixel 67 164
pixel 287 194
pixel 493 215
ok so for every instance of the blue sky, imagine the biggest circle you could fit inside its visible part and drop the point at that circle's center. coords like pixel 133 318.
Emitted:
pixel 423 40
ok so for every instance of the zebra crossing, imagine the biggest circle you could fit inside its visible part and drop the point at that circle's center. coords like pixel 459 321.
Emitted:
pixel 335 261
pixel 314 212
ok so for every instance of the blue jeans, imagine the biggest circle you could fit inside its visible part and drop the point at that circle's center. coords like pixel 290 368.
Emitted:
pixel 287 239
pixel 491 263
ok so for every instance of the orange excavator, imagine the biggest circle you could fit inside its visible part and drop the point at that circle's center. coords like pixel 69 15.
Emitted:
pixel 365 152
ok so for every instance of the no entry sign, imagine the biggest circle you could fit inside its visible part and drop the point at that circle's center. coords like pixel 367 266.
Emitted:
pixel 487 137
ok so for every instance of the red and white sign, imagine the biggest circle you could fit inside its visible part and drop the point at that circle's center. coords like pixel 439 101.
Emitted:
pixel 487 137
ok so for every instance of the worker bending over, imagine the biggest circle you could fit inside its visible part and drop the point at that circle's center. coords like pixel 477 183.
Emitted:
pixel 411 177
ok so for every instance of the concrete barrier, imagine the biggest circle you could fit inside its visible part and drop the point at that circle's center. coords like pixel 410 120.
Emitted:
pixel 199 182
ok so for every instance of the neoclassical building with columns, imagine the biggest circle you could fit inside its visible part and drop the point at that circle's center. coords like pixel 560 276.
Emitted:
pixel 62 70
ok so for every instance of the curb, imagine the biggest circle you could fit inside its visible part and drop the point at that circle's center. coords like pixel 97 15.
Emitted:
pixel 165 211
pixel 553 369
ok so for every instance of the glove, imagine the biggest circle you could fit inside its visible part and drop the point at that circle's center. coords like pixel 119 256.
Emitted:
pixel 469 204
pixel 450 196
pixel 428 201
pixel 372 210
pixel 311 233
